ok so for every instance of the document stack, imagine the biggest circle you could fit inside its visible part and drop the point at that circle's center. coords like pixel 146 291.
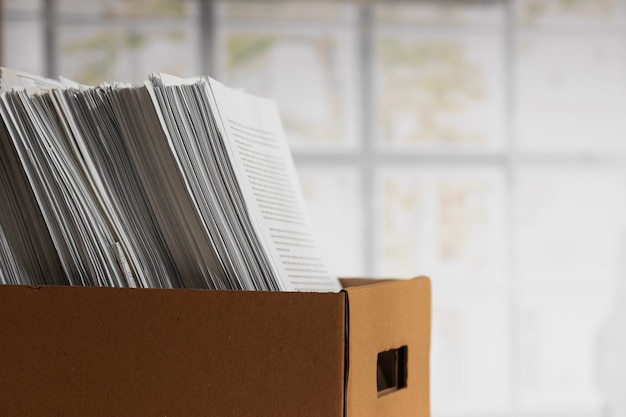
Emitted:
pixel 175 183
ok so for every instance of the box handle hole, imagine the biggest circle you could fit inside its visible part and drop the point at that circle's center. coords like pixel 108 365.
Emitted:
pixel 391 371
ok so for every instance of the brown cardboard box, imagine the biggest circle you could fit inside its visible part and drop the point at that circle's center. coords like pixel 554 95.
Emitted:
pixel 90 352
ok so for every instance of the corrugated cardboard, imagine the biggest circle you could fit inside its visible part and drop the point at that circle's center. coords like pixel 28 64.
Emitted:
pixel 382 316
pixel 89 352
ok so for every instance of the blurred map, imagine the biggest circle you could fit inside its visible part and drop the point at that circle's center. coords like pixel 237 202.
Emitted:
pixel 450 226
pixel 439 89
pixel 307 72
pixel 550 12
pixel 119 40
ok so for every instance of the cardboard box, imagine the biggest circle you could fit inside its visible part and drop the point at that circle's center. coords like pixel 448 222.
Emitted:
pixel 91 352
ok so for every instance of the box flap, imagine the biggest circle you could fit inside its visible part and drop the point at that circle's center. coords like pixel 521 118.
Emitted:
pixel 102 352
pixel 390 316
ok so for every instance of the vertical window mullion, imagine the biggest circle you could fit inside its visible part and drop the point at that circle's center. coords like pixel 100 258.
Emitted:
pixel 367 160
pixel 50 33
pixel 509 174
pixel 208 36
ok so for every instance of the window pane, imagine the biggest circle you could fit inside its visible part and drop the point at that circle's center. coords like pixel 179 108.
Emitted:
pixel 559 352
pixel 441 13
pixel 470 362
pixel 569 13
pixel 308 69
pixel 570 225
pixel 611 374
pixel 30 6
pixel 91 54
pixel 571 92
pixel 116 40
pixel 310 11
pixel 23 45
pixel 143 9
pixel 333 199
pixel 439 90
pixel 446 224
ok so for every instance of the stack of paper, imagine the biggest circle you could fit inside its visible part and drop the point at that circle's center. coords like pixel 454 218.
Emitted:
pixel 174 183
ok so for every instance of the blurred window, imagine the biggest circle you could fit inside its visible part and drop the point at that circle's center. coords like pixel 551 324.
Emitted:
pixel 480 142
